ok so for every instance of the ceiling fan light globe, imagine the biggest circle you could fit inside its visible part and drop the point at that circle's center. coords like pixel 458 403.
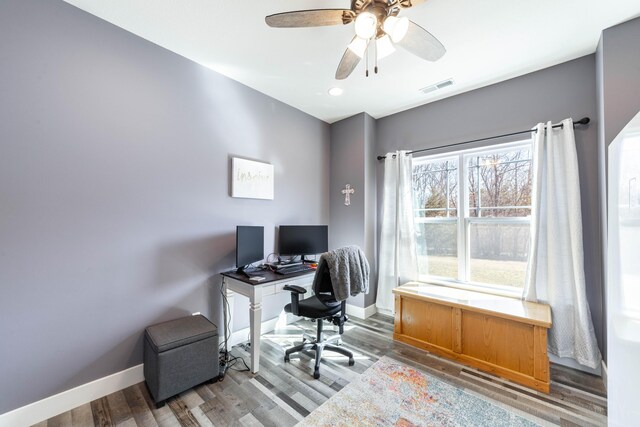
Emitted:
pixel 366 25
pixel 396 28
pixel 358 46
pixel 384 47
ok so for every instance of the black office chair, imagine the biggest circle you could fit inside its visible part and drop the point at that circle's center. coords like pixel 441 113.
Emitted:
pixel 320 307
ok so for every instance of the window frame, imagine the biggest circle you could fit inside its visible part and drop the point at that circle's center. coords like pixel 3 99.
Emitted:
pixel 464 220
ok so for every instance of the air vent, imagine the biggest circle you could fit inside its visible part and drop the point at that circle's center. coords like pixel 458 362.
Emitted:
pixel 437 86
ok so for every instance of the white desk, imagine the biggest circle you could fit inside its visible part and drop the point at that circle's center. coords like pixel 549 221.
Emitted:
pixel 273 284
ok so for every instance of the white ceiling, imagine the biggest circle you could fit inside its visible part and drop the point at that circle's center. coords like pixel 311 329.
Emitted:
pixel 487 41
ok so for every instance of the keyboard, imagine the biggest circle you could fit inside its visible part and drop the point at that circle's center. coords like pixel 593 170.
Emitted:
pixel 294 269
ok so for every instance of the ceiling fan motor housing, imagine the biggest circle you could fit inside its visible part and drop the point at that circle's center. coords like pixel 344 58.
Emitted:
pixel 379 8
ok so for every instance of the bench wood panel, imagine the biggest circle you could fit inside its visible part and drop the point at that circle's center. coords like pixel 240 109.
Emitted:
pixel 428 322
pixel 471 328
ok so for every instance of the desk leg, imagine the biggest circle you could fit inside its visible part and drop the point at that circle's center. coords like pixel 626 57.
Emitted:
pixel 255 319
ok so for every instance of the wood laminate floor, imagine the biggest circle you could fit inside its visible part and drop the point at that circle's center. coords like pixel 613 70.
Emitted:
pixel 282 394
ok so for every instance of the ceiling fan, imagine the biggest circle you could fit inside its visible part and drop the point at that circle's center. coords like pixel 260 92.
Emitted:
pixel 375 20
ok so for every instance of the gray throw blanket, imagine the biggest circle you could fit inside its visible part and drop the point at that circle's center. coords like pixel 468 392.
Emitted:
pixel 349 271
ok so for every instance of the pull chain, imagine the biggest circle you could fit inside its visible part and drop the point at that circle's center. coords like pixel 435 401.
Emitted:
pixel 376 57
pixel 366 58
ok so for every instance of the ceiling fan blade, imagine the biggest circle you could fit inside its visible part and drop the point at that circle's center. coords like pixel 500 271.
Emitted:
pixel 347 64
pixel 410 3
pixel 311 18
pixel 421 43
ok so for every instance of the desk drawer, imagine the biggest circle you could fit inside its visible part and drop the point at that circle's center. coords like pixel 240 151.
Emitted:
pixel 269 290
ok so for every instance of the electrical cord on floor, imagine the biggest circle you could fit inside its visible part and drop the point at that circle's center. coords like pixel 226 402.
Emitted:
pixel 234 360
pixel 226 360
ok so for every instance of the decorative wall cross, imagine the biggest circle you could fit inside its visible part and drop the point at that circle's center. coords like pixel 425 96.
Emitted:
pixel 348 191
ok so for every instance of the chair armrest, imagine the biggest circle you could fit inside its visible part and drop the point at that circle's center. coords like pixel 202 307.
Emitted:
pixel 298 290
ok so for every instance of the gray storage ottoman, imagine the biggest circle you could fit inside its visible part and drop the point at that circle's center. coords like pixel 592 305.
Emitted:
pixel 179 354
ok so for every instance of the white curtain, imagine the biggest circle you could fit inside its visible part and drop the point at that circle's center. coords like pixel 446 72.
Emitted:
pixel 555 273
pixel 398 260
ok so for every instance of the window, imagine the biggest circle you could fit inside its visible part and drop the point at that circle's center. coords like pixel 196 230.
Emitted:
pixel 472 215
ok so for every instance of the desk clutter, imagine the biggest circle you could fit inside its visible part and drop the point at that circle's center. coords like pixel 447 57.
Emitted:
pixel 290 268
pixel 283 269
pixel 178 355
pixel 294 241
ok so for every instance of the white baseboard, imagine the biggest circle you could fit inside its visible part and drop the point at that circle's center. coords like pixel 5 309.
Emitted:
pixel 67 400
pixel 385 311
pixel 70 399
pixel 361 313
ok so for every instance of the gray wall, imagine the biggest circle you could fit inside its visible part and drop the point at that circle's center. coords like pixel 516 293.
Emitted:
pixel 618 89
pixel 370 202
pixel 352 162
pixel 566 90
pixel 619 79
pixel 114 206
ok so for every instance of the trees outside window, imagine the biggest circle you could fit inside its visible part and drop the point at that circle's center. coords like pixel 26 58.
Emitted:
pixel 478 232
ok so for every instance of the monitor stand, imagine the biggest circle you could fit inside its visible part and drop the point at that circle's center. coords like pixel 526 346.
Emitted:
pixel 248 271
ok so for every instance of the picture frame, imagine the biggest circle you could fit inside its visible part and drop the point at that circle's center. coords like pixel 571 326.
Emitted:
pixel 251 179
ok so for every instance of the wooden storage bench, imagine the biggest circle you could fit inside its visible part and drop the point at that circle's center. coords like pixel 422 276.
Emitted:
pixel 504 336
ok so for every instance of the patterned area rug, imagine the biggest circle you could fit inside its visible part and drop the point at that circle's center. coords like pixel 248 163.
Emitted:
pixel 391 393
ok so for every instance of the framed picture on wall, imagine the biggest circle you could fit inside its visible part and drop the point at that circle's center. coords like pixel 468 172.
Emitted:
pixel 251 179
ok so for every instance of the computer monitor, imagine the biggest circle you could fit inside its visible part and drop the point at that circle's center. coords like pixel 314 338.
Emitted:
pixel 249 245
pixel 303 240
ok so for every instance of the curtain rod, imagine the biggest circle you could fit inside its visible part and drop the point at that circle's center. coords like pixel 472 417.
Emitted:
pixel 582 121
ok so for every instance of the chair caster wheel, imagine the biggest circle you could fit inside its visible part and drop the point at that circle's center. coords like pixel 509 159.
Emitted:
pixel 316 374
pixel 352 362
pixel 286 357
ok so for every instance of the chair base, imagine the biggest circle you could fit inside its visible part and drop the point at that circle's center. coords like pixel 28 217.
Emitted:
pixel 319 345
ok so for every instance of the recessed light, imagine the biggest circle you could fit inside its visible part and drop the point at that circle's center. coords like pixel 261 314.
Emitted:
pixel 335 91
